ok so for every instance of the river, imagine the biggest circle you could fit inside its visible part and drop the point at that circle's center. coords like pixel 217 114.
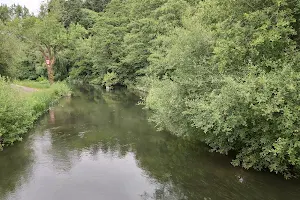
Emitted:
pixel 99 145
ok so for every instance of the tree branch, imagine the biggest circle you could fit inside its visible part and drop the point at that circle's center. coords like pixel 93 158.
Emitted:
pixel 43 52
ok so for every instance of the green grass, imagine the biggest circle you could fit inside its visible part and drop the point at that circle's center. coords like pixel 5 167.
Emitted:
pixel 33 84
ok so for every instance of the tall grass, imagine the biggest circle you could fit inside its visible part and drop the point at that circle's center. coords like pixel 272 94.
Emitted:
pixel 19 112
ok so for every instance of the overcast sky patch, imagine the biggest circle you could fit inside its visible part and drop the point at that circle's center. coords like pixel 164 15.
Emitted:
pixel 32 5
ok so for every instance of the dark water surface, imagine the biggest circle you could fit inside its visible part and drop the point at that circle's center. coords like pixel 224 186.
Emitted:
pixel 100 146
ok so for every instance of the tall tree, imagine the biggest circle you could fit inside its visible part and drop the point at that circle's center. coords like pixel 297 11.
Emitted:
pixel 10 51
pixel 109 32
pixel 48 36
pixel 96 5
pixel 71 12
pixel 5 14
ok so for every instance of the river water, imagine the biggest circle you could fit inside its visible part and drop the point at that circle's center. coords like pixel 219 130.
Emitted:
pixel 99 145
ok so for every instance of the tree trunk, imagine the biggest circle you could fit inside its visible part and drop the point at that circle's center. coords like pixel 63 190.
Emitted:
pixel 50 73
pixel 49 60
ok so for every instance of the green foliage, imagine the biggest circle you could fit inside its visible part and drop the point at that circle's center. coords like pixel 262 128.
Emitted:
pixel 257 118
pixel 76 58
pixel 88 19
pixel 71 12
pixel 124 36
pixel 165 100
pixel 20 109
pixel 110 79
pixel 14 11
pixel 50 32
pixel 10 51
pixel 236 66
pixel 41 100
pixel 4 13
pixel 15 114
pixel 109 30
pixel 95 5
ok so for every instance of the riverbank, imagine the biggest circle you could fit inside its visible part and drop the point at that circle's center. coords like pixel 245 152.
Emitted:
pixel 21 106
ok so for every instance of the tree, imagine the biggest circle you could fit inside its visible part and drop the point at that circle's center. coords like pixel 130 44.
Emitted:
pixel 96 5
pixel 71 12
pixel 108 36
pixel 5 14
pixel 11 51
pixel 49 36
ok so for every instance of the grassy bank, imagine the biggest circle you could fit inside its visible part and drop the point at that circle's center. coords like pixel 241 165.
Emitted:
pixel 44 84
pixel 20 108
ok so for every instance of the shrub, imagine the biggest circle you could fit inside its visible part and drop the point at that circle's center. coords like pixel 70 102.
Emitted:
pixel 164 99
pixel 18 112
pixel 234 77
pixel 258 118
pixel 15 114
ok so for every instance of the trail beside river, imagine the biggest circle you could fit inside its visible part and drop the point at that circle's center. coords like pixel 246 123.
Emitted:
pixel 24 88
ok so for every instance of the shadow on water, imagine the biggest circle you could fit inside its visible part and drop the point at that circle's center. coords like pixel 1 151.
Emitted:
pixel 99 145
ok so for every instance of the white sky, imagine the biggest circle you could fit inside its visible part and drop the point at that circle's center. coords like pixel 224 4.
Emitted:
pixel 32 5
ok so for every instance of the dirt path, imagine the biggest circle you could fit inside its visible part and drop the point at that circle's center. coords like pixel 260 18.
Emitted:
pixel 24 89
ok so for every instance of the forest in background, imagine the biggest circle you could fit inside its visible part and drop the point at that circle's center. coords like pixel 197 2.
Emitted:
pixel 223 72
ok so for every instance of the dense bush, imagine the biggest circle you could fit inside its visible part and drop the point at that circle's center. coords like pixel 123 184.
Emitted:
pixel 19 110
pixel 15 114
pixel 232 73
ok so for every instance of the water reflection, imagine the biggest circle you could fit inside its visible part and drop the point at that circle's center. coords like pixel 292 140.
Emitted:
pixel 99 145
pixel 15 168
